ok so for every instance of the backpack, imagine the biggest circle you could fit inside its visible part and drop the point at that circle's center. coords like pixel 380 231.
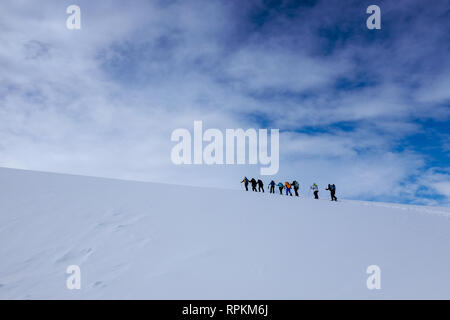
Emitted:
pixel 296 184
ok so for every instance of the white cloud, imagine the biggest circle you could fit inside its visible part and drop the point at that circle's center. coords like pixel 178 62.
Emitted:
pixel 103 100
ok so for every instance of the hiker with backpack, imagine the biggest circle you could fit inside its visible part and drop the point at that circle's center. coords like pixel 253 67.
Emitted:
pixel 280 186
pixel 254 183
pixel 315 190
pixel 332 189
pixel 287 185
pixel 296 187
pixel 260 186
pixel 333 193
pixel 272 186
pixel 245 181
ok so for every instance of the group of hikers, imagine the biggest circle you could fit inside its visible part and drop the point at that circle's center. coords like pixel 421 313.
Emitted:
pixel 287 186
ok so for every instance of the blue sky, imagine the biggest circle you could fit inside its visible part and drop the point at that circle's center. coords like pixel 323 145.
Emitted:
pixel 365 109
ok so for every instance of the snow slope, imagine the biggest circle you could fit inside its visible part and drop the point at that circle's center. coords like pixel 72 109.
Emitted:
pixel 144 240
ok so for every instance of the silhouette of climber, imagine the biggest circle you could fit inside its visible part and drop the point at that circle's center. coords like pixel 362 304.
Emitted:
pixel 280 186
pixel 296 187
pixel 332 189
pixel 272 186
pixel 315 190
pixel 260 186
pixel 253 182
pixel 333 194
pixel 245 181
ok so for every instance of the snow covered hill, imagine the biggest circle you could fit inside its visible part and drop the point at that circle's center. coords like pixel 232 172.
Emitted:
pixel 144 240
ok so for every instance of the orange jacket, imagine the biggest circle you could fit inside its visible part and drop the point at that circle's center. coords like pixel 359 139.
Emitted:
pixel 287 185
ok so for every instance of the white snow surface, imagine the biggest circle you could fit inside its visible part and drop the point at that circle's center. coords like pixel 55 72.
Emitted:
pixel 136 240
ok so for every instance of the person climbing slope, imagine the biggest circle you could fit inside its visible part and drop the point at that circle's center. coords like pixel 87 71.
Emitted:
pixel 332 189
pixel 245 181
pixel 296 187
pixel 280 186
pixel 260 186
pixel 254 183
pixel 287 185
pixel 315 190
pixel 272 186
